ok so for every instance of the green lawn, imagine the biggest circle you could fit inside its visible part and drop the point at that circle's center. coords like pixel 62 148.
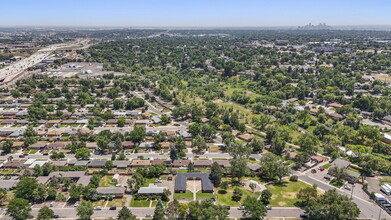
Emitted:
pixel 284 195
pixel 201 195
pixel 155 202
pixel 106 181
pixel 117 202
pixel 139 203
pixel 225 197
pixel 186 195
pixel 33 151
pixel 336 183
pixel 148 181
pixel 326 166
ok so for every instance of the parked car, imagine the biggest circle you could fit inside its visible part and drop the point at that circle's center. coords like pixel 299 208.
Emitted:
pixel 268 208
pixel 76 204
pixel 113 208
pixel 21 156
pixel 303 215
pixel 148 216
pixel 56 216
pixel 347 187
pixel 45 154
pixel 327 178
pixel 98 208
pixel 241 207
pixel 228 207
pixel 51 204
pixel 322 169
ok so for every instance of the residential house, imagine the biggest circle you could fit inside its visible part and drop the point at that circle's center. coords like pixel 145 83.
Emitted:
pixel 181 182
pixel 117 192
pixel 152 189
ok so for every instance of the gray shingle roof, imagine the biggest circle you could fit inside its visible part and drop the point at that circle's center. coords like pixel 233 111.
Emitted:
pixel 181 178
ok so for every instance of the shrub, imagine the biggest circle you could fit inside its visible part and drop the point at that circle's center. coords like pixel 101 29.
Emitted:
pixel 293 178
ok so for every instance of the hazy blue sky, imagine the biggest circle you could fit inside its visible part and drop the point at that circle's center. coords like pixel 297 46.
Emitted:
pixel 194 12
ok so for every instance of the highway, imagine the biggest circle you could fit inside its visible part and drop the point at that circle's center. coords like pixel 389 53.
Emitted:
pixel 8 73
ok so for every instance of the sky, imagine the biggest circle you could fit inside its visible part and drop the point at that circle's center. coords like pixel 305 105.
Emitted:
pixel 193 13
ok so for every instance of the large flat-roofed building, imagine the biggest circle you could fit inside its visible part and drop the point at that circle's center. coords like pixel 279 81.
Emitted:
pixel 182 178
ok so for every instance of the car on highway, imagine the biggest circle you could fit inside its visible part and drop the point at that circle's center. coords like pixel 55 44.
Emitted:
pixel 113 208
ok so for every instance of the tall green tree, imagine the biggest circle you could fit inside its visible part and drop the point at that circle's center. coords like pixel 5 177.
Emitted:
pixel 45 213
pixel 125 214
pixel 85 210
pixel 253 208
pixel 333 206
pixel 19 209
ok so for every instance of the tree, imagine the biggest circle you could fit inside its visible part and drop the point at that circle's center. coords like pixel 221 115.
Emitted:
pixel 121 122
pixel 216 174
pixel 206 210
pixel 19 209
pixel 82 153
pixel 308 143
pixel 159 212
pixel 85 210
pixel 172 211
pixel 333 206
pixel 165 119
pixel 266 195
pixel 190 167
pixel 3 196
pixel 253 186
pixel 52 193
pixel 282 170
pixel 40 192
pixel 75 191
pixel 45 213
pixel 102 142
pixel 238 168
pixel 7 146
pixel 199 143
pixel 138 134
pixel 338 172
pixel 237 195
pixel 173 153
pixel 307 194
pixel 30 136
pixel 125 214
pixel 25 188
pixel 253 208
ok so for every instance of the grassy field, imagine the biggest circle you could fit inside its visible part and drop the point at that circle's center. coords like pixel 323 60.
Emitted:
pixel 100 203
pixel 201 195
pixel 284 195
pixel 106 181
pixel 186 195
pixel 117 202
pixel 139 203
pixel 225 197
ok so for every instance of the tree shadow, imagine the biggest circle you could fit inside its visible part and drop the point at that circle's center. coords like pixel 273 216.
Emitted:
pixel 222 192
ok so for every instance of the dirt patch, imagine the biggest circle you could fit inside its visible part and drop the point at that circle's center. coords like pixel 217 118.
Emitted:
pixel 282 203
pixel 289 195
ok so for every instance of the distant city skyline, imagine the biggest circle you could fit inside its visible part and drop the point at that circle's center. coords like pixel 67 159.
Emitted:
pixel 194 13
